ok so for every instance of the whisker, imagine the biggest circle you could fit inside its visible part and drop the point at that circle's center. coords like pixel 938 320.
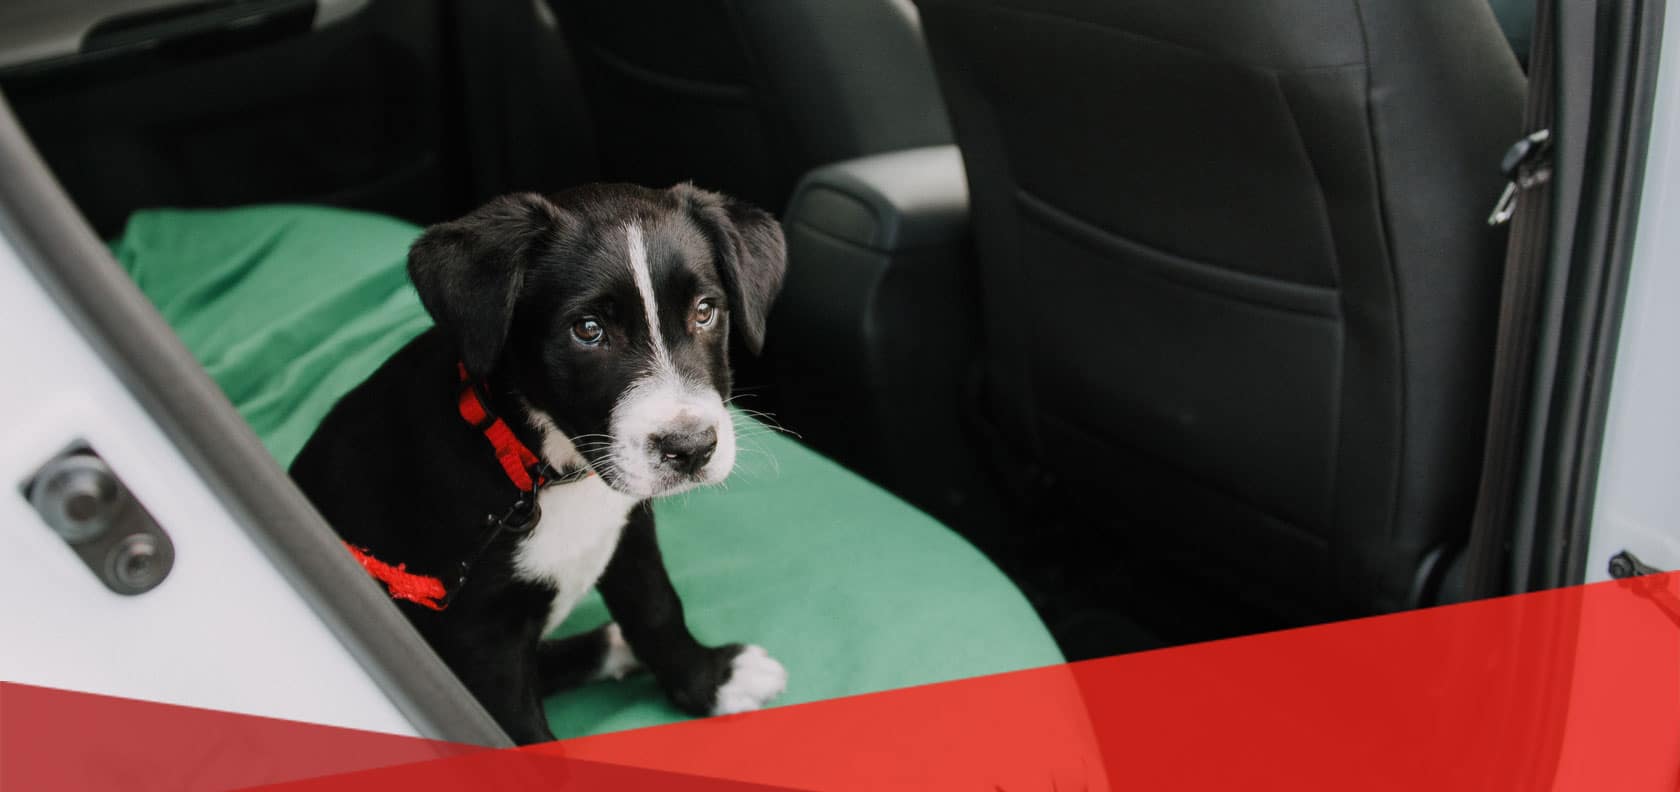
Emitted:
pixel 750 443
pixel 769 421
pixel 605 437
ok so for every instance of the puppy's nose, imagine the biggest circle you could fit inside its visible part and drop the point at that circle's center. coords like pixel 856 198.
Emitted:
pixel 685 451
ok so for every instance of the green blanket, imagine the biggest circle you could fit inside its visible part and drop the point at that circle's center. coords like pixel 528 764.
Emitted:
pixel 289 307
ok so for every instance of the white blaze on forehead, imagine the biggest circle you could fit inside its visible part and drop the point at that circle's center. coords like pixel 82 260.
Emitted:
pixel 660 398
pixel 644 283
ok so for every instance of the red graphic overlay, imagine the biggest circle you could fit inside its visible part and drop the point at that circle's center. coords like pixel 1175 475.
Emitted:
pixel 1575 689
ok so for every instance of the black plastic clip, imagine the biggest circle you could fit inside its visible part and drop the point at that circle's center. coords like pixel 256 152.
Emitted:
pixel 521 517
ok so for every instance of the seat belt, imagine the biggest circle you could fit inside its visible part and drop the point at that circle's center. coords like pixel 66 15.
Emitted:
pixel 1526 205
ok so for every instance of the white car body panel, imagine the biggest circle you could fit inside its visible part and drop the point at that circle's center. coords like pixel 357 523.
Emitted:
pixel 224 631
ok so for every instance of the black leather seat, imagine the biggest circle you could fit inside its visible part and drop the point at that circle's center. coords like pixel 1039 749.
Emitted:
pixel 1239 291
pixel 745 96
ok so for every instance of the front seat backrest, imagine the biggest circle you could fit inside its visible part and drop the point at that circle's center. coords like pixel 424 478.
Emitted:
pixel 1236 277
pixel 744 96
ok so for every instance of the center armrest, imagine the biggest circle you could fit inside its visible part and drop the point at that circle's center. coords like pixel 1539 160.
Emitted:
pixel 900 200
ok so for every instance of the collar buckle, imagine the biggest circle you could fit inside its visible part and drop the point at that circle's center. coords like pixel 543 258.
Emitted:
pixel 522 517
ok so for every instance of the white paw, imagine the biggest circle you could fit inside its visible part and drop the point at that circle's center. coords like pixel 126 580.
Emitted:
pixel 619 660
pixel 754 678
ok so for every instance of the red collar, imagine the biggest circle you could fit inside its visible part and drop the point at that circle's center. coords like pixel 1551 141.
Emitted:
pixel 525 469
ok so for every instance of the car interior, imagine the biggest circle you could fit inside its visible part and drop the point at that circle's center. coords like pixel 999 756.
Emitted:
pixel 1180 313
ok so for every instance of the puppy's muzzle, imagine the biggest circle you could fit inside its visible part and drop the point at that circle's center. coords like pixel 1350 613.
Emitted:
pixel 685 449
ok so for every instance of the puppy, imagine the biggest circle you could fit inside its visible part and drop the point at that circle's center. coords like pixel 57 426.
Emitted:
pixel 501 464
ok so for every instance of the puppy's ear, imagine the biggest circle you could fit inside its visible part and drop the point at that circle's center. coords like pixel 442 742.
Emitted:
pixel 469 272
pixel 750 252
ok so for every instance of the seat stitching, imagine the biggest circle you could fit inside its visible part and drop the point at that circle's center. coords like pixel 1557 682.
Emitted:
pixel 1219 56
pixel 1189 272
pixel 1399 340
pixel 1330 490
pixel 683 85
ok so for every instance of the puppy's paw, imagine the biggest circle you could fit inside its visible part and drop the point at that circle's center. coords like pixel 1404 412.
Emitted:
pixel 617 661
pixel 754 679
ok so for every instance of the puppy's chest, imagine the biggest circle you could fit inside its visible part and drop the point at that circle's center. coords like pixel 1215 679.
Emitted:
pixel 570 547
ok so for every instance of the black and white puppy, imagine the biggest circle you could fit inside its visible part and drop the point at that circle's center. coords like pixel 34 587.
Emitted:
pixel 595 323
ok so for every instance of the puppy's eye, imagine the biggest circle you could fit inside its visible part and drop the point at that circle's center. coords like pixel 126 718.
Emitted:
pixel 705 314
pixel 588 332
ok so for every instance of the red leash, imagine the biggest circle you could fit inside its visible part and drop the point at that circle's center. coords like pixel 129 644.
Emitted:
pixel 525 469
pixel 401 583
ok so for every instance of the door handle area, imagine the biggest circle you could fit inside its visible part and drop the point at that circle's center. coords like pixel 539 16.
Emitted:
pixel 81 499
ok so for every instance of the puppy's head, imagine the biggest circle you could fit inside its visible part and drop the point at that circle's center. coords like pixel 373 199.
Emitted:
pixel 607 311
